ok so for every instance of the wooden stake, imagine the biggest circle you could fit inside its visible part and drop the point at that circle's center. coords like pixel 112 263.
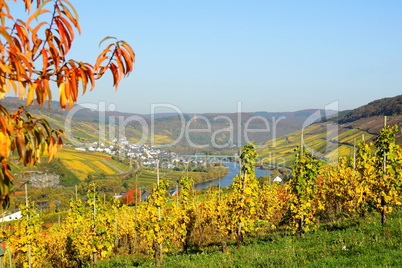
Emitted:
pixel 94 254
pixel 177 194
pixel 159 249
pixel 219 190
pixel 354 154
pixel 29 244
pixel 94 204
pixel 135 210
pixel 383 203
pixel 26 195
pixel 385 155
pixel 157 172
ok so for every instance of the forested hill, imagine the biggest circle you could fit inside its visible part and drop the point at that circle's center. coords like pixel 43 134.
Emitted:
pixel 370 117
pixel 382 107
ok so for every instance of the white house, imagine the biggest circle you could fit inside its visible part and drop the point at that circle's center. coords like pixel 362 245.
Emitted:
pixel 11 217
pixel 278 179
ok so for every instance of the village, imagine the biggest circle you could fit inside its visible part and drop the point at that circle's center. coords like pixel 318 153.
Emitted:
pixel 147 155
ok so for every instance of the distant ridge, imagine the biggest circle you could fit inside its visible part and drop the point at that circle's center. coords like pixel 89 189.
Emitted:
pixel 228 130
pixel 382 107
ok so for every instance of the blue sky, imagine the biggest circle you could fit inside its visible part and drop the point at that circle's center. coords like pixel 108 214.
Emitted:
pixel 205 56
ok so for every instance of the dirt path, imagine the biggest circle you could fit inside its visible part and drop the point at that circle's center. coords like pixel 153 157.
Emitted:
pixel 112 166
pixel 121 172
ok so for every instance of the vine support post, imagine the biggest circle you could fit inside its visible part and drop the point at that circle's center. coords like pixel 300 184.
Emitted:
pixel 354 154
pixel 136 210
pixel 301 220
pixel 383 203
pixel 157 183
pixel 158 246
pixel 157 172
pixel 94 223
pixel 94 205
pixel 177 194
pixel 385 155
pixel 29 242
pixel 116 233
pixel 300 231
pixel 219 190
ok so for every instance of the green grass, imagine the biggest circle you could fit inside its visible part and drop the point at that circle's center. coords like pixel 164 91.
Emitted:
pixel 350 243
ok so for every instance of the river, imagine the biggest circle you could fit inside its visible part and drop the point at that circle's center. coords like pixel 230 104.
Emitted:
pixel 228 179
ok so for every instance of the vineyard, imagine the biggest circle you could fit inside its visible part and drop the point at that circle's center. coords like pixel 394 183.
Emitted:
pixel 281 150
pixel 82 164
pixel 96 229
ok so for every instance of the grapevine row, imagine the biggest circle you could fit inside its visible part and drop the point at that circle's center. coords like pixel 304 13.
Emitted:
pixel 316 192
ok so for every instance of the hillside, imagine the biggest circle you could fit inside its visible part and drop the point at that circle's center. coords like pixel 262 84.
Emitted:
pixel 326 145
pixel 382 107
pixel 336 137
pixel 210 131
pixel 277 134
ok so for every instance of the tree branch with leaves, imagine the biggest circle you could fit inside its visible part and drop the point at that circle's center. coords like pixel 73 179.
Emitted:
pixel 33 60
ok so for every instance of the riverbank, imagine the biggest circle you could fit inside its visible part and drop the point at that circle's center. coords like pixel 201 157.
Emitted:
pixel 227 180
pixel 211 175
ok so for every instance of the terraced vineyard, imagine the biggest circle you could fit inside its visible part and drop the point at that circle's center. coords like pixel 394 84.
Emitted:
pixel 83 163
pixel 320 140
